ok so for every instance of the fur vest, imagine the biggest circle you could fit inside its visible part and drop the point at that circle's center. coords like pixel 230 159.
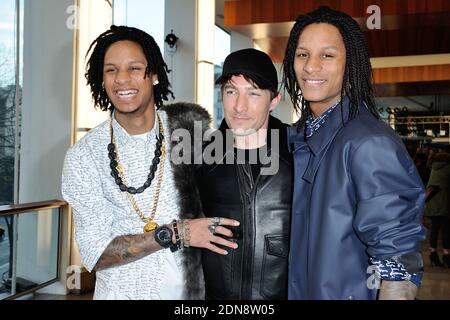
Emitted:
pixel 183 116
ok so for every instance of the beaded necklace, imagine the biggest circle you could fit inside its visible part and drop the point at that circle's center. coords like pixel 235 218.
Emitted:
pixel 117 172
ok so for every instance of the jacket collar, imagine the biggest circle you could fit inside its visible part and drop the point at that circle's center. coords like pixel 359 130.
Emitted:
pixel 318 143
pixel 322 137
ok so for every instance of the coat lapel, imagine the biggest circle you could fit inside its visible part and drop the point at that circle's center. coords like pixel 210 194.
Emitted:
pixel 318 144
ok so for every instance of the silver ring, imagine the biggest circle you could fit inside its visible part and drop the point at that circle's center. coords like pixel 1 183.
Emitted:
pixel 212 228
pixel 215 221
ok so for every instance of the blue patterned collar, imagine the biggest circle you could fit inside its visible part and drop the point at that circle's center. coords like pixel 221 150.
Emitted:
pixel 312 125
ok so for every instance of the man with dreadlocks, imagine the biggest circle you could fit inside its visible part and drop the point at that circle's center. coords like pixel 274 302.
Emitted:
pixel 358 199
pixel 125 215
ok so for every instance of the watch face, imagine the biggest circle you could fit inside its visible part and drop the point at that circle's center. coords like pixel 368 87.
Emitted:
pixel 163 235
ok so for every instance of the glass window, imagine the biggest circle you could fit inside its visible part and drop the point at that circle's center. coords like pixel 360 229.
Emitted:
pixel 7 99
pixel 10 95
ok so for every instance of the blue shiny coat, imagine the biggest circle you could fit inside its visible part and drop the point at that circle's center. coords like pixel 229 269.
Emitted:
pixel 357 194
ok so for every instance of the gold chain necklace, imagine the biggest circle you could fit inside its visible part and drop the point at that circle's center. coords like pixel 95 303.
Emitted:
pixel 150 224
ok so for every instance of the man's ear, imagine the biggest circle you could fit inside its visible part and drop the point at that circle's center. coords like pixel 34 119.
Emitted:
pixel 275 101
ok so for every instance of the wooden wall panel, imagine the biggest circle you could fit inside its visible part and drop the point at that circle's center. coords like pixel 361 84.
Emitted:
pixel 412 74
pixel 244 12
pixel 404 89
pixel 408 28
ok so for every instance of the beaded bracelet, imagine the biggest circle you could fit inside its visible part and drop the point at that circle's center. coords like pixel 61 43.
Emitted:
pixel 177 245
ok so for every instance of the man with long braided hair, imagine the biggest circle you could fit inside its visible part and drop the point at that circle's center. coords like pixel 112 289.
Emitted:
pixel 125 215
pixel 358 199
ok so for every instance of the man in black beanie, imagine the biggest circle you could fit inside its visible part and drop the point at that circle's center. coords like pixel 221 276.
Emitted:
pixel 250 182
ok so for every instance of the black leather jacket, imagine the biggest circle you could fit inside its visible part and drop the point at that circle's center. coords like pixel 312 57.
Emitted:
pixel 258 268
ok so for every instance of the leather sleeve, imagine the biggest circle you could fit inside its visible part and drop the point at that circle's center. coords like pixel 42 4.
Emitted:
pixel 390 199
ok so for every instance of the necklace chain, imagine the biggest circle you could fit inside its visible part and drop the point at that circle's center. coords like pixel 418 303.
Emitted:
pixel 150 224
pixel 116 167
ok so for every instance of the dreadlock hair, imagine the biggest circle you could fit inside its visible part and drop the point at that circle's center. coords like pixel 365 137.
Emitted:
pixel 357 80
pixel 155 64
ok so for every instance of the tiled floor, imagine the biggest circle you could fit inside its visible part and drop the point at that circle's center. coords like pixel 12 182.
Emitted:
pixel 435 285
pixel 436 281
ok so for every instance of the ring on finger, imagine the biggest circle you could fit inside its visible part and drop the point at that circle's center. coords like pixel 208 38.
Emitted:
pixel 215 221
pixel 212 228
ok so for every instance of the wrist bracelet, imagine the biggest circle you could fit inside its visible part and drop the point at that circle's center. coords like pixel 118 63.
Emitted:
pixel 187 233
pixel 175 246
pixel 181 226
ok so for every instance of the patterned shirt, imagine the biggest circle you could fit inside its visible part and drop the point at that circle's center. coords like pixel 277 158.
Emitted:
pixel 312 125
pixel 102 212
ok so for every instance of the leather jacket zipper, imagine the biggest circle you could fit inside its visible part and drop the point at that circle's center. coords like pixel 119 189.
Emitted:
pixel 248 239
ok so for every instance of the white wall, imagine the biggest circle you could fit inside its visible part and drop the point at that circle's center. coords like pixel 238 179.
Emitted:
pixel 94 18
pixel 284 111
pixel 45 126
pixel 47 98
pixel 180 17
pixel 239 41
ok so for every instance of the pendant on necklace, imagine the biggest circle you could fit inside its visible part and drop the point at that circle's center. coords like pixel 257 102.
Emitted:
pixel 150 225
